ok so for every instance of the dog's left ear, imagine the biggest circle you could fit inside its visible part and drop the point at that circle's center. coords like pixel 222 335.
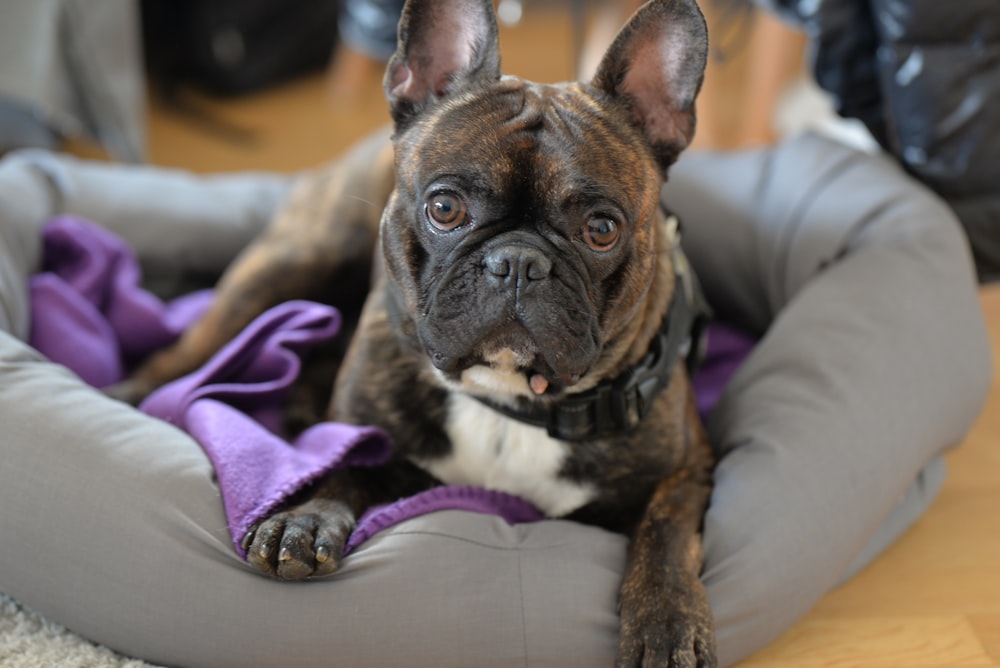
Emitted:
pixel 444 46
pixel 655 67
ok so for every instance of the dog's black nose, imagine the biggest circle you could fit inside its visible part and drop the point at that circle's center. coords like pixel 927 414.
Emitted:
pixel 518 264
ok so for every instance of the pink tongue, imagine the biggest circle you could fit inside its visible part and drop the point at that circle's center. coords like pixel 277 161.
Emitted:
pixel 538 384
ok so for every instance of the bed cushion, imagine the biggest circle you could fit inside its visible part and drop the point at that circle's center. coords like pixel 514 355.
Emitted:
pixel 873 360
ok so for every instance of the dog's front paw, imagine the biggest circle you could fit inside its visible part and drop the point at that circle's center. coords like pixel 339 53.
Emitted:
pixel 675 631
pixel 301 542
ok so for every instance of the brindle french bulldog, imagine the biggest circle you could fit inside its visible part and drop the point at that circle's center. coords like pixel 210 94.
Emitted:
pixel 527 311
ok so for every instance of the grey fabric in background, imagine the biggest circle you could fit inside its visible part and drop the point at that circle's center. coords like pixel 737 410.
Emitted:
pixel 76 66
pixel 874 360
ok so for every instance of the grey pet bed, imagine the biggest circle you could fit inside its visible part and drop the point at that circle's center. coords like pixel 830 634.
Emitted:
pixel 873 360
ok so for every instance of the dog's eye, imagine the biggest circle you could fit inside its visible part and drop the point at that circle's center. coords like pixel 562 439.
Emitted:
pixel 446 211
pixel 601 233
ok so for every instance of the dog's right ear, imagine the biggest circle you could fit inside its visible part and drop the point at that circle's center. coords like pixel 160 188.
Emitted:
pixel 444 46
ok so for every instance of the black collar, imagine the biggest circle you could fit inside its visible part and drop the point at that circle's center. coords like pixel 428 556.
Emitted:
pixel 617 406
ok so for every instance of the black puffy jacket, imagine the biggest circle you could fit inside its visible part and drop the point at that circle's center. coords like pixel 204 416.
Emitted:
pixel 924 76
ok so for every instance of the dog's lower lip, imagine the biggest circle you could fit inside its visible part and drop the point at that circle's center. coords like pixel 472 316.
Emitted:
pixel 569 380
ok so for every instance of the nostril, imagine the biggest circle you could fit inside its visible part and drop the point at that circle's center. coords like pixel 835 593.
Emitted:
pixel 519 263
pixel 498 264
pixel 536 265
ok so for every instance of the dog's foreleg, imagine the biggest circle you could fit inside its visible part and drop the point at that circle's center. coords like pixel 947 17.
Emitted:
pixel 665 617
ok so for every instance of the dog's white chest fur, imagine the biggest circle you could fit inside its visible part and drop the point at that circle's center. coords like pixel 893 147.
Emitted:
pixel 494 451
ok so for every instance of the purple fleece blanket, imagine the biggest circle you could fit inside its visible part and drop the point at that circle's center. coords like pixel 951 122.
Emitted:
pixel 90 314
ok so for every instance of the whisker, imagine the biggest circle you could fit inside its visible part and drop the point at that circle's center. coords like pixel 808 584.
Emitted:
pixel 363 200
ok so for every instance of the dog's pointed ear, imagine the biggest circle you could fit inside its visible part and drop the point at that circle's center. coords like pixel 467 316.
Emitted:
pixel 444 46
pixel 655 68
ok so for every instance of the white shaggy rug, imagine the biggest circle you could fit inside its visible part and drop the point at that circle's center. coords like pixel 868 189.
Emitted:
pixel 28 640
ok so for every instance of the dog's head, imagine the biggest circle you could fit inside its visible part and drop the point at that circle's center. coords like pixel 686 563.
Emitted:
pixel 524 243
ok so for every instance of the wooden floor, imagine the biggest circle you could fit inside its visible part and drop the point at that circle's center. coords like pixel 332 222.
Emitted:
pixel 932 600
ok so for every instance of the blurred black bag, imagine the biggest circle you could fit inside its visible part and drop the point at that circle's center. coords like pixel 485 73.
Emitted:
pixel 232 47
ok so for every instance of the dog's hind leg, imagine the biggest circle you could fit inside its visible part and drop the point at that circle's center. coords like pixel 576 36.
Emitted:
pixel 319 247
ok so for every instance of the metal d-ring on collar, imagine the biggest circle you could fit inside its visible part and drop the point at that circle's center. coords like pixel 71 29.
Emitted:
pixel 618 406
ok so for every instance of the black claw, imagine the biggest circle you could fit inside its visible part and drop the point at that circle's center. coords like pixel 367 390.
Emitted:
pixel 248 539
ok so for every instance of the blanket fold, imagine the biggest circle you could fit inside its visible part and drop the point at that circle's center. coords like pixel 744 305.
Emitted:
pixel 90 314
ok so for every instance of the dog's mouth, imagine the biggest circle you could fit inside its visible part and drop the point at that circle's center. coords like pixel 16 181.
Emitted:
pixel 529 382
pixel 537 353
pixel 507 372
